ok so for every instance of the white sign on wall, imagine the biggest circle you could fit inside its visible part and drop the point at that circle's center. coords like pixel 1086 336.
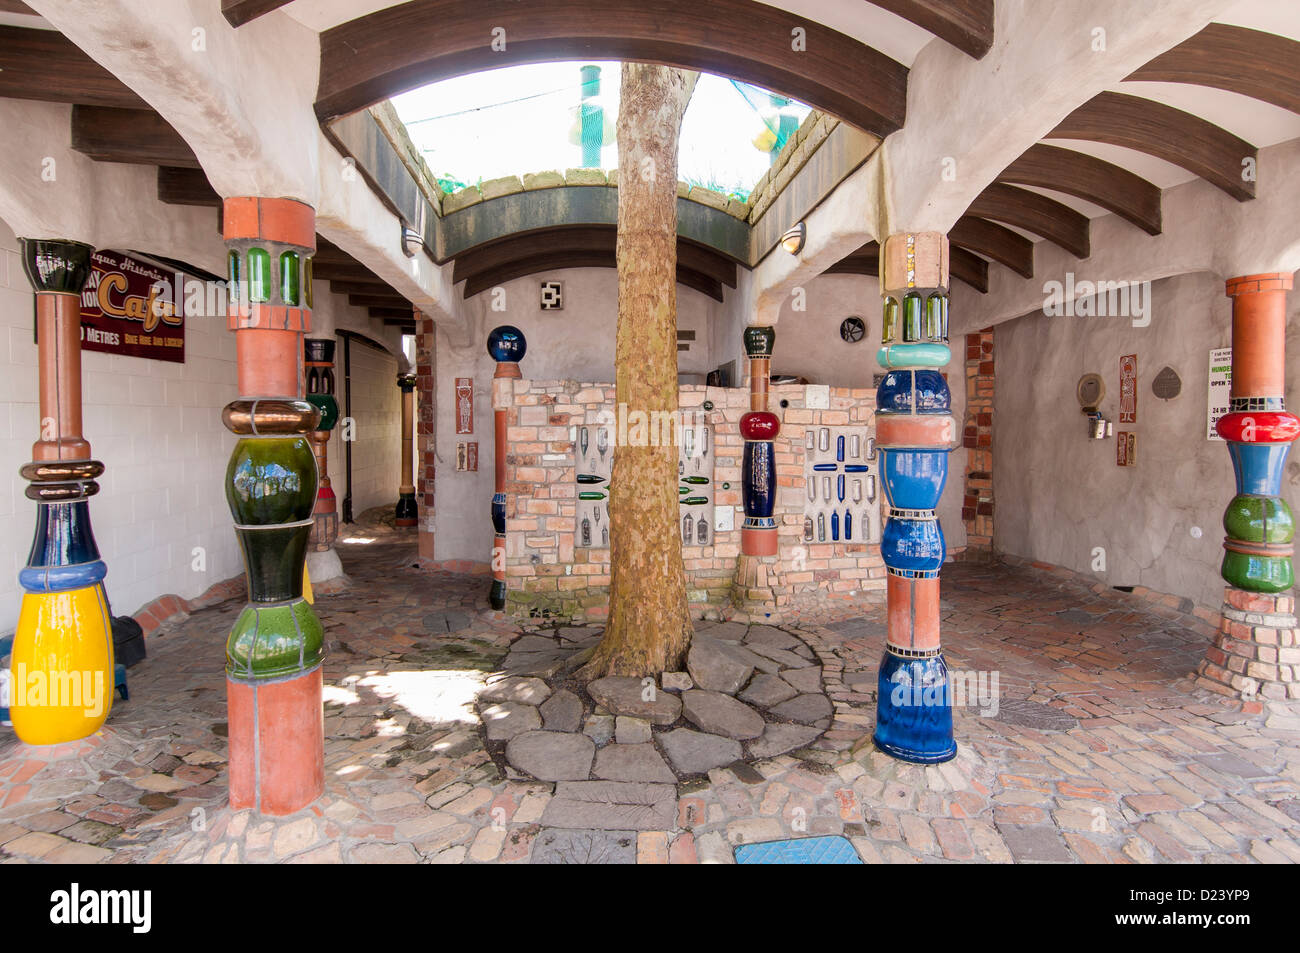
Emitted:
pixel 1220 387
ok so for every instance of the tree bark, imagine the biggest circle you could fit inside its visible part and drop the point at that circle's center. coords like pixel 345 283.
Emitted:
pixel 649 627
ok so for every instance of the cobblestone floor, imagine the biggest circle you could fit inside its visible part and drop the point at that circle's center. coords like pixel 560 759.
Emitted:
pixel 1100 750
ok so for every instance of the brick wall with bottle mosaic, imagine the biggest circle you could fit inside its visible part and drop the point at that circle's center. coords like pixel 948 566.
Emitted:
pixel 549 575
pixel 977 438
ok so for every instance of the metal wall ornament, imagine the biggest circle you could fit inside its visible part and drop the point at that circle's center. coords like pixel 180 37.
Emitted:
pixel 1167 384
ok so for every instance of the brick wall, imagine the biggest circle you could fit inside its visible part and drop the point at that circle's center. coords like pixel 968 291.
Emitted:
pixel 547 574
pixel 977 438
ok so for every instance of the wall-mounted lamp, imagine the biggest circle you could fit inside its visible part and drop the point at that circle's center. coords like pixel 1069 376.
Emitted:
pixel 412 241
pixel 794 238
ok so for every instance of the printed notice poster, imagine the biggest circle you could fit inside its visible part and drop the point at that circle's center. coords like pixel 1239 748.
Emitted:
pixel 1220 387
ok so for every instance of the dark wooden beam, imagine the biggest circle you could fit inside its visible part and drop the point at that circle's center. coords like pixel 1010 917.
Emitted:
pixel 179 186
pixel 239 12
pixel 963 265
pixel 556 259
pixel 706 261
pixel 583 238
pixel 1253 63
pixel 994 241
pixel 698 281
pixel 376 286
pixel 377 300
pixel 966 24
pixel 356 274
pixel 399 314
pixel 1065 170
pixel 328 253
pixel 109 134
pixel 1210 151
pixel 399 48
pixel 45 65
pixel 970 268
pixel 1036 213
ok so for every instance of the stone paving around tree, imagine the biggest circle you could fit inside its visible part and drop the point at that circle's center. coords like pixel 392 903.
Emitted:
pixel 1092 746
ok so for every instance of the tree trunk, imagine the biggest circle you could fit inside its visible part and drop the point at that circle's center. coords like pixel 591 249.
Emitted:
pixel 649 627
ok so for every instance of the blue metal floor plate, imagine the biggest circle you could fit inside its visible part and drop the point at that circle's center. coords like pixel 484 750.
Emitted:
pixel 800 850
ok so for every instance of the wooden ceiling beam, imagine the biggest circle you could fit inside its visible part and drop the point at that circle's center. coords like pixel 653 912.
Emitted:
pixel 239 12
pixel 45 65
pixel 970 268
pixel 963 265
pixel 584 238
pixel 1263 66
pixel 965 24
pixel 994 241
pixel 1118 190
pixel 1145 125
pixel 141 136
pixel 1036 213
pixel 399 48
pixel 181 186
pixel 376 300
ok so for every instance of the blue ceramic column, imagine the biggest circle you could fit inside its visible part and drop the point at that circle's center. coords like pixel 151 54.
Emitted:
pixel 505 345
pixel 915 433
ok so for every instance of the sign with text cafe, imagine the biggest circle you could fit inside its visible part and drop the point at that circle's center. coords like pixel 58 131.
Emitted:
pixel 131 306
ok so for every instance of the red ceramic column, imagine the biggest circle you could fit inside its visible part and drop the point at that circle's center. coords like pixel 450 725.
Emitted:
pixel 1257 651
pixel 276 648
pixel 759 428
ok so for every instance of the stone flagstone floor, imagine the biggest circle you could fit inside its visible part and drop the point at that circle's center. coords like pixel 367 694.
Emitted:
pixel 1094 747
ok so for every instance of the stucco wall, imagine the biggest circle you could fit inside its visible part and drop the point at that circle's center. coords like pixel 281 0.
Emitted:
pixel 1061 494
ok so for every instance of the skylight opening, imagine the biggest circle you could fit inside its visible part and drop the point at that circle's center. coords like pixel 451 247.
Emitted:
pixel 558 116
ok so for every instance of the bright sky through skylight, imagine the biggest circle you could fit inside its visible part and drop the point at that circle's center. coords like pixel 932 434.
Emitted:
pixel 526 118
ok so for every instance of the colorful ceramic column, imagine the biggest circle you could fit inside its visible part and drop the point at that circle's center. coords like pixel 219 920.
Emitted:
pixel 915 433
pixel 407 512
pixel 275 651
pixel 319 364
pixel 1257 652
pixel 759 428
pixel 506 345
pixel 62 659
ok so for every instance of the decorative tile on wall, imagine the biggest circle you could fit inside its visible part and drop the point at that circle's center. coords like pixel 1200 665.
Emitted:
pixel 695 480
pixel 594 453
pixel 841 489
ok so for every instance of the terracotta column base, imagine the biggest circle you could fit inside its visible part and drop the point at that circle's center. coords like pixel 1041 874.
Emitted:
pixel 1256 655
pixel 277 743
